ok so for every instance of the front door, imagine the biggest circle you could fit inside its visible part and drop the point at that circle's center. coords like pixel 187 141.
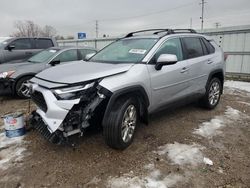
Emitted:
pixel 171 82
pixel 22 50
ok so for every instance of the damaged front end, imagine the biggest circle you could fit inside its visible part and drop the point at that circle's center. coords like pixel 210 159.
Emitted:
pixel 66 111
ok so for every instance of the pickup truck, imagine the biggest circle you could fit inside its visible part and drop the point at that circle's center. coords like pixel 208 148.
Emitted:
pixel 18 49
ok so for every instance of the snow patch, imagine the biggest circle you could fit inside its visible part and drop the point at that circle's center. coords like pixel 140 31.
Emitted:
pixel 94 181
pixel 11 150
pixel 232 113
pixel 155 179
pixel 182 154
pixel 208 161
pixel 125 182
pixel 245 86
pixel 211 128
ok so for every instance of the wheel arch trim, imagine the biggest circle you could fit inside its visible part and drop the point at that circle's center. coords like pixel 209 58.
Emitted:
pixel 124 91
pixel 212 73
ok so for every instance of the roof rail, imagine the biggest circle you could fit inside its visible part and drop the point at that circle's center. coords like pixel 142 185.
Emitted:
pixel 141 31
pixel 168 31
pixel 183 31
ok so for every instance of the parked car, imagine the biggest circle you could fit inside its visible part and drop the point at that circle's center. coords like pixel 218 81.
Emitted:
pixel 18 49
pixel 124 82
pixel 13 76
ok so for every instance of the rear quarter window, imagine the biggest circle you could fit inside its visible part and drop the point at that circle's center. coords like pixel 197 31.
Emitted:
pixel 43 43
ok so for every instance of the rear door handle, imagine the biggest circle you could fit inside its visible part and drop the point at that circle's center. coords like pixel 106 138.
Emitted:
pixel 184 69
pixel 209 61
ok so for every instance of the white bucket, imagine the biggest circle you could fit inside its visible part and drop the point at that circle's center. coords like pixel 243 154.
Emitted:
pixel 14 124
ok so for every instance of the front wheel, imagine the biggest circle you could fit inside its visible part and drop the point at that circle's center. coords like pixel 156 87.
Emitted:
pixel 21 89
pixel 213 94
pixel 120 127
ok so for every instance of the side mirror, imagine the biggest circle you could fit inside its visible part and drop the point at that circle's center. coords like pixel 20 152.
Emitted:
pixel 88 56
pixel 165 59
pixel 10 47
pixel 54 62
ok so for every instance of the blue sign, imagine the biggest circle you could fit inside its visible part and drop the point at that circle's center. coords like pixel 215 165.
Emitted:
pixel 82 35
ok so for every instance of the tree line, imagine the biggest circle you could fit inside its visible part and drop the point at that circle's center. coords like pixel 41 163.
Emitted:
pixel 30 29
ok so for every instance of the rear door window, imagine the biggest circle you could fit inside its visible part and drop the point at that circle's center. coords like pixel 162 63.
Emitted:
pixel 69 55
pixel 193 47
pixel 43 43
pixel 21 44
pixel 208 45
pixel 205 50
pixel 84 52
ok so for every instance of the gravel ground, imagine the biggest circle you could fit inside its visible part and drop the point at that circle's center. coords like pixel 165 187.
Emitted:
pixel 170 152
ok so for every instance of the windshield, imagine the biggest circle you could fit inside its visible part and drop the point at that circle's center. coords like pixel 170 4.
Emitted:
pixel 43 56
pixel 125 51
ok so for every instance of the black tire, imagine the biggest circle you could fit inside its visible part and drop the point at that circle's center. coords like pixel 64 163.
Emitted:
pixel 112 129
pixel 206 100
pixel 19 91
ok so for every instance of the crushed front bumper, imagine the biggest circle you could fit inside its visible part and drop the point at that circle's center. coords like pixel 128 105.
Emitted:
pixel 51 110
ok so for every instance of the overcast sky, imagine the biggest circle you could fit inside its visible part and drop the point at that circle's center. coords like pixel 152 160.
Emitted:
pixel 121 16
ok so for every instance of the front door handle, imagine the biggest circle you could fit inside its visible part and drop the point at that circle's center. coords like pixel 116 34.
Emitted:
pixel 184 69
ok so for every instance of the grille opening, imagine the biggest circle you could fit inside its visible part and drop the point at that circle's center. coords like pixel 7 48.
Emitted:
pixel 39 100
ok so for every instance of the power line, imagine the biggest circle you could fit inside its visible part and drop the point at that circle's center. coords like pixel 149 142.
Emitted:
pixel 148 14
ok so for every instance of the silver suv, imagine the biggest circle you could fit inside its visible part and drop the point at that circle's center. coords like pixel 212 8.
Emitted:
pixel 120 85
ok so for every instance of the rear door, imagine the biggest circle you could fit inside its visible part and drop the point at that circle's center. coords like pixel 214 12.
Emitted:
pixel 84 52
pixel 22 50
pixel 41 44
pixel 196 60
pixel 67 56
pixel 171 82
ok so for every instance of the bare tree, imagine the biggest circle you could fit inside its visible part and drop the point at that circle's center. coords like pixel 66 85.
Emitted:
pixel 30 29
pixel 48 31
pixel 59 37
pixel 70 37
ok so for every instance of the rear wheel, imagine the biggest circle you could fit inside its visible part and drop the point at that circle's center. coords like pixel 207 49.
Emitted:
pixel 121 124
pixel 213 94
pixel 21 89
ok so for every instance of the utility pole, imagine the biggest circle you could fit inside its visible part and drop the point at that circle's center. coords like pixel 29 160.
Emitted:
pixel 191 23
pixel 96 28
pixel 202 14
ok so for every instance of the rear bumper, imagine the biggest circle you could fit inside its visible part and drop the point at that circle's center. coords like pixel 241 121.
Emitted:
pixel 6 86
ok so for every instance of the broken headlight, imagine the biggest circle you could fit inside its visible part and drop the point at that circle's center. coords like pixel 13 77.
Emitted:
pixel 69 93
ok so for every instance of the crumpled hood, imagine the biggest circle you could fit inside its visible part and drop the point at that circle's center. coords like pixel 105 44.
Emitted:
pixel 81 71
